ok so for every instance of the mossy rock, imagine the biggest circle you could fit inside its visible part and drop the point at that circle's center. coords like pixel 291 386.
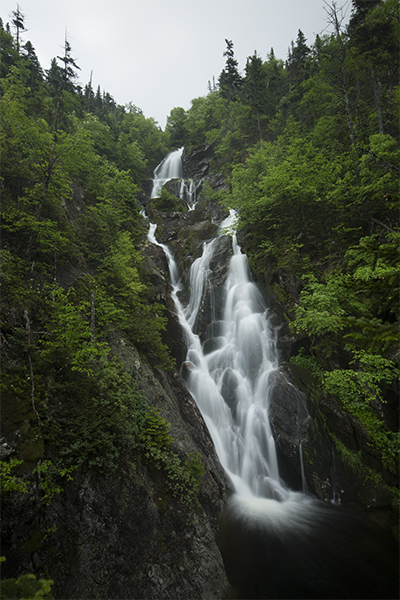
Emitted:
pixel 167 202
pixel 199 232
pixel 33 447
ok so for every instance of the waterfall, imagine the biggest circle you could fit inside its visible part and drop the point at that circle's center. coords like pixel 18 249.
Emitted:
pixel 171 168
pixel 230 384
pixel 188 193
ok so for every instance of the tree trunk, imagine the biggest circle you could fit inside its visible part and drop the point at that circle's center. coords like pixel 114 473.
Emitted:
pixel 28 329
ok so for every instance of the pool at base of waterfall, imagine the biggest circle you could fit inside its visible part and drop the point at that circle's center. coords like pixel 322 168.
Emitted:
pixel 306 548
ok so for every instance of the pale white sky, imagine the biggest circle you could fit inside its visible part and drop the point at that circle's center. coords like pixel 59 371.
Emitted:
pixel 160 54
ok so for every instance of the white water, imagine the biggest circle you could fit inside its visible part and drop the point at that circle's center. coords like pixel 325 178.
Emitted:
pixel 231 383
pixel 171 168
pixel 188 193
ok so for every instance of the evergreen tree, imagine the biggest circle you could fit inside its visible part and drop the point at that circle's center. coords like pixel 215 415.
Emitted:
pixel 374 31
pixel 255 87
pixel 230 81
pixel 337 66
pixel 8 53
pixel 69 69
pixel 297 57
pixel 89 95
pixel 360 9
pixel 98 101
pixel 33 64
pixel 17 19
pixel 53 77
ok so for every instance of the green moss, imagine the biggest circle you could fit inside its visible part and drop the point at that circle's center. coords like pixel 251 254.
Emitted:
pixel 167 202
pixel 349 457
pixel 280 293
pixel 33 448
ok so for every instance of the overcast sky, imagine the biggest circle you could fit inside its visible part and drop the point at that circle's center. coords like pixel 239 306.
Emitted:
pixel 160 54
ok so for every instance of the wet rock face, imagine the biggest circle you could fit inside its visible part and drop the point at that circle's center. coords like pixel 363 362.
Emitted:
pixel 156 265
pixel 303 447
pixel 196 161
pixel 211 306
pixel 300 419
pixel 116 538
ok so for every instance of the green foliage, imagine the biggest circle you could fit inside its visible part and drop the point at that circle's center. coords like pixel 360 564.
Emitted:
pixel 350 458
pixel 176 127
pixel 44 176
pixel 362 302
pixel 319 310
pixel 310 151
pixel 204 118
pixel 118 269
pixel 182 480
pixel 26 587
pixel 359 389
pixel 46 471
pixel 95 418
pixel 151 141
pixel 308 362
pixel 230 81
pixel 167 202
pixel 10 483
pixel 156 433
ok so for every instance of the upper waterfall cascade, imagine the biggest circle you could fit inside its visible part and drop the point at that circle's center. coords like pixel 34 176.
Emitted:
pixel 171 168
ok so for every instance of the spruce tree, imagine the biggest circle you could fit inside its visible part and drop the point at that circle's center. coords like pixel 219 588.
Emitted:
pixel 18 21
pixel 255 87
pixel 230 81
pixel 68 71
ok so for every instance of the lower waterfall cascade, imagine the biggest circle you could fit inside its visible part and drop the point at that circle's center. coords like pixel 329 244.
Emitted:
pixel 276 542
